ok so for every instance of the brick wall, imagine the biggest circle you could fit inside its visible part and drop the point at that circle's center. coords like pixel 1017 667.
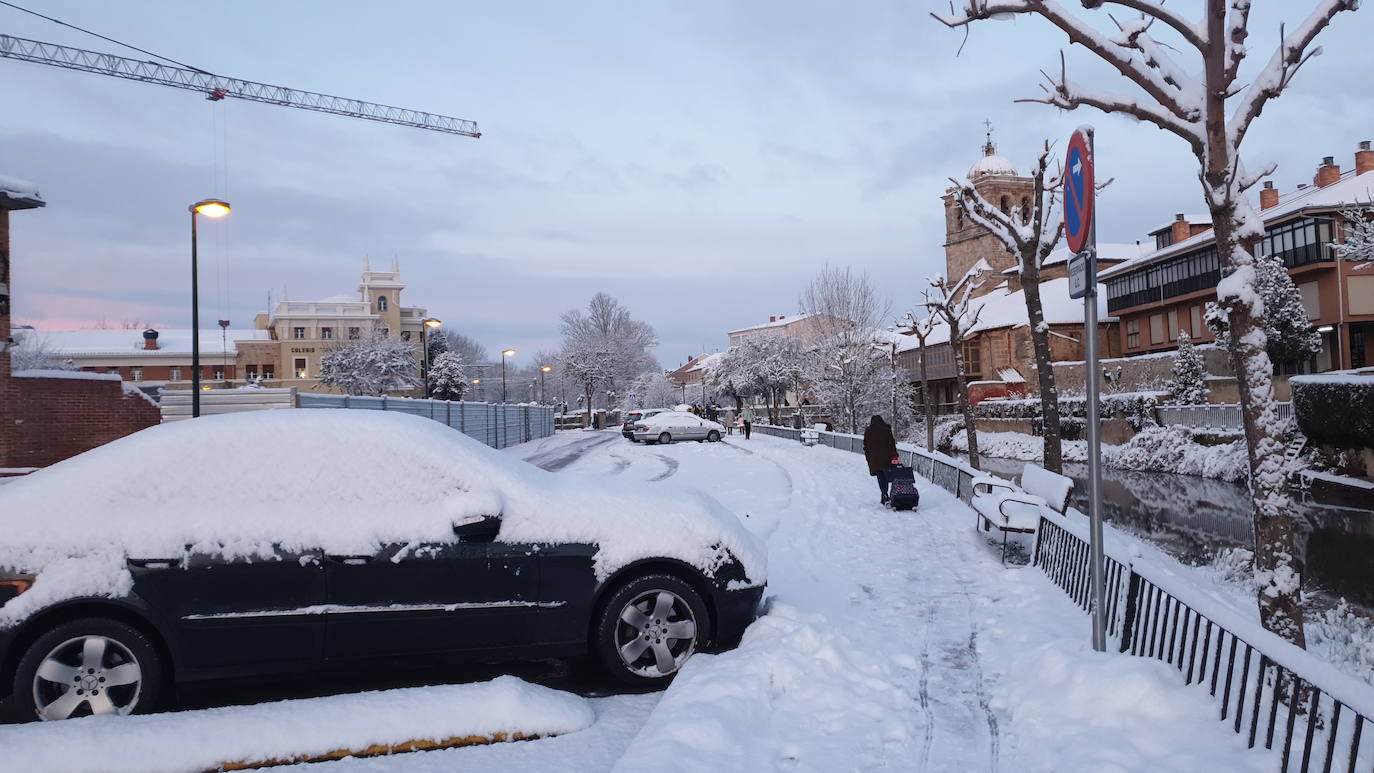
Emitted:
pixel 51 419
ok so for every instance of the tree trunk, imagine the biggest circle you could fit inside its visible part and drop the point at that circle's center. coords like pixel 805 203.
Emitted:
pixel 956 341
pixel 1040 342
pixel 925 401
pixel 1276 564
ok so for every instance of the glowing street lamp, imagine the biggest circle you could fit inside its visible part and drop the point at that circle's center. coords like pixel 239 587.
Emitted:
pixel 505 354
pixel 212 208
pixel 543 396
pixel 425 325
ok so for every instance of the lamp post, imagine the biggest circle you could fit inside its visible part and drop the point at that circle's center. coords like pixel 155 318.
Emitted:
pixel 505 354
pixel 477 387
pixel 543 395
pixel 425 325
pixel 210 208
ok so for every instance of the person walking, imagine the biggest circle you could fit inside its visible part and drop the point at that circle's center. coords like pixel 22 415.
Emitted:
pixel 748 421
pixel 880 451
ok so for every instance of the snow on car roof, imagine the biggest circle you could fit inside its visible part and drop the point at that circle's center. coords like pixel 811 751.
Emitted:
pixel 343 481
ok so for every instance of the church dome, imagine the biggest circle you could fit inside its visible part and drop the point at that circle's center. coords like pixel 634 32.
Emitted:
pixel 989 165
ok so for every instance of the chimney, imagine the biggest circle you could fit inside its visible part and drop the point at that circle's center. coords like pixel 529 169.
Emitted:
pixel 773 318
pixel 781 317
pixel 1181 229
pixel 1327 173
pixel 1269 196
pixel 149 339
pixel 1364 158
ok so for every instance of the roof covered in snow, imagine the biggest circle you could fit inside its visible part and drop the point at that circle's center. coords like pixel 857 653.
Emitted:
pixel 155 492
pixel 991 165
pixel 780 322
pixel 1203 219
pixel 75 343
pixel 1107 252
pixel 1001 308
pixel 1351 189
pixel 19 194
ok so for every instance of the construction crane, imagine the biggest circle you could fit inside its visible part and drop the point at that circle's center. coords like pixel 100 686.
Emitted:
pixel 216 87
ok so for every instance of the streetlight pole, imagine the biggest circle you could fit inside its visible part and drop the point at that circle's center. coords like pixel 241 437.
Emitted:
pixel 209 208
pixel 505 353
pixel 543 395
pixel 425 325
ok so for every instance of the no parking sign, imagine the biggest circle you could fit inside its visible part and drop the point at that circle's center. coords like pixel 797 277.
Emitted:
pixel 1078 212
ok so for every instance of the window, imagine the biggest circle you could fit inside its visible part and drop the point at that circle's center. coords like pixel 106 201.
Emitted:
pixel 219 373
pixel 1164 239
pixel 386 332
pixel 1195 314
pixel 354 334
pixel 1025 210
pixel 298 333
pixel 1311 301
pixel 1173 324
pixel 1297 243
pixel 135 374
pixel 1156 328
pixel 299 367
pixel 973 359
pixel 1133 334
pixel 251 371
pixel 405 335
pixel 381 303
pixel 174 373
pixel 269 371
pixel 959 219
pixel 327 333
pixel 1005 206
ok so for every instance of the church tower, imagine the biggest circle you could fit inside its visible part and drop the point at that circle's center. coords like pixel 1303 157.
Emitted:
pixel 381 290
pixel 967 243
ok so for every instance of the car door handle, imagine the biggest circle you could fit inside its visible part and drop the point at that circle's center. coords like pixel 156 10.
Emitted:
pixel 350 560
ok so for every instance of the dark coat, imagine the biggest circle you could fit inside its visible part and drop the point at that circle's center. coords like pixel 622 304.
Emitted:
pixel 879 446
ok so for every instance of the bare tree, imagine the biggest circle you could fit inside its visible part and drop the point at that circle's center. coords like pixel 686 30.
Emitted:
pixel 1029 236
pixel 845 370
pixel 951 303
pixel 1211 110
pixel 922 328
pixel 35 351
pixel 466 347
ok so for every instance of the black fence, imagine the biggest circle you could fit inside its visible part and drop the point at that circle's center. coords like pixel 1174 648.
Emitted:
pixel 1271 698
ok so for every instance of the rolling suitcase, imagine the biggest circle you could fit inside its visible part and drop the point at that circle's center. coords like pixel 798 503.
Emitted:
pixel 901 492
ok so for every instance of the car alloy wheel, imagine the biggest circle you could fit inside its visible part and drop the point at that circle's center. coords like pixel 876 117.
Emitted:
pixel 648 629
pixel 713 436
pixel 656 634
pixel 88 667
pixel 665 438
pixel 95 671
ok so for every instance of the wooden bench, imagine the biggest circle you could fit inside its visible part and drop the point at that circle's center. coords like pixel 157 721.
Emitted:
pixel 999 505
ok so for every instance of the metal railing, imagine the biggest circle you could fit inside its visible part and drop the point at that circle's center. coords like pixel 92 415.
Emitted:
pixel 1219 416
pixel 1320 722
pixel 948 473
pixel 496 425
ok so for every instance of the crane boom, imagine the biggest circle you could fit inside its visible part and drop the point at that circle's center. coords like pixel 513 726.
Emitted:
pixel 217 87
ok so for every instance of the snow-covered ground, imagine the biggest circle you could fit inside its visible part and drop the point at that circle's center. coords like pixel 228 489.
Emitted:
pixel 893 641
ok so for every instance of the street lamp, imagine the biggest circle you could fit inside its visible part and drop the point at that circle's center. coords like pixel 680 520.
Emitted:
pixel 505 354
pixel 543 396
pixel 214 208
pixel 425 325
pixel 477 387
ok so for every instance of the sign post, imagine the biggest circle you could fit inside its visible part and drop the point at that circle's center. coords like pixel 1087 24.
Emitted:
pixel 1080 230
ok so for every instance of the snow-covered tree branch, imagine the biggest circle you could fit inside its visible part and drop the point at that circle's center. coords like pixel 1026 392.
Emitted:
pixel 952 303
pixel 371 366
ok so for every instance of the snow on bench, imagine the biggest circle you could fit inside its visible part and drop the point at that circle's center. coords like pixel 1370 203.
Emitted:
pixel 812 434
pixel 1000 505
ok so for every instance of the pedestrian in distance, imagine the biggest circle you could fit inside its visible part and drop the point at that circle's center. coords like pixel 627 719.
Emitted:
pixel 748 421
pixel 880 451
pixel 730 426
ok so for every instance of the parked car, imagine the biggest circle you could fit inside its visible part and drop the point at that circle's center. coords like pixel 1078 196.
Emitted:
pixel 284 541
pixel 627 427
pixel 668 426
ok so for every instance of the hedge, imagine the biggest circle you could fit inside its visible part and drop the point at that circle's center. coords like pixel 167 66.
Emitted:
pixel 1335 410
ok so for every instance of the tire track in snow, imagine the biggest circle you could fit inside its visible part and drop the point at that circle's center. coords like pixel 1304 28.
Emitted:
pixel 923 695
pixel 621 464
pixel 671 464
pixel 556 459
pixel 786 476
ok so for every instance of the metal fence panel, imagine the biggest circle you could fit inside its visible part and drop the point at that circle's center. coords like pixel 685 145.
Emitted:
pixel 1218 416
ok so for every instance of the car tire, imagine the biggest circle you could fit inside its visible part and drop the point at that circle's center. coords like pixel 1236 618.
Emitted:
pixel 665 438
pixel 713 437
pixel 652 658
pixel 94 652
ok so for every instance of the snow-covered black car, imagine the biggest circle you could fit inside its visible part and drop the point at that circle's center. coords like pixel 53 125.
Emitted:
pixel 282 541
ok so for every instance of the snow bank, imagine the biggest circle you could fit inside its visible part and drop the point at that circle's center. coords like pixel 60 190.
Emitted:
pixel 1156 449
pixel 194 741
pixel 346 482
pixel 797 693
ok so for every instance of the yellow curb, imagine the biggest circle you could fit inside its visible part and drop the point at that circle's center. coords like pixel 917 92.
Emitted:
pixel 379 750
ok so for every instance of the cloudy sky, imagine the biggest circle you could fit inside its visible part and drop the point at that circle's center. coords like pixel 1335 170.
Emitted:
pixel 697 160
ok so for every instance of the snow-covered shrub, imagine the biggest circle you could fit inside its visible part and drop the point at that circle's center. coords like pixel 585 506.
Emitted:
pixel 1173 449
pixel 372 366
pixel 945 430
pixel 1236 566
pixel 1188 384
pixel 448 381
pixel 1335 409
pixel 1345 639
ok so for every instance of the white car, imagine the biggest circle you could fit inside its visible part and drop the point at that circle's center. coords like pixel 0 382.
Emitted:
pixel 677 425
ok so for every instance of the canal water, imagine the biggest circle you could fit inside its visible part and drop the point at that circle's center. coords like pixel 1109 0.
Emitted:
pixel 1192 518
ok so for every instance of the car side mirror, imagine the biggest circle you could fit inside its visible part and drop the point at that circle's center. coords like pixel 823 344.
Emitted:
pixel 480 529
